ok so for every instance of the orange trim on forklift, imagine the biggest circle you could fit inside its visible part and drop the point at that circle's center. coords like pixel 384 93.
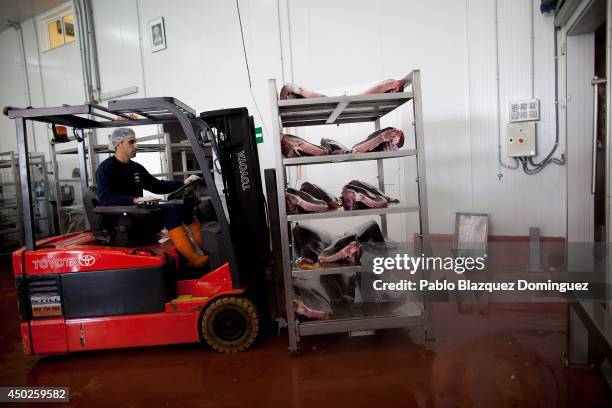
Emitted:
pixel 219 280
pixel 186 303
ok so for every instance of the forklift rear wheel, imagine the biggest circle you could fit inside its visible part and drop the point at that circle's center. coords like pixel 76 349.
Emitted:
pixel 230 324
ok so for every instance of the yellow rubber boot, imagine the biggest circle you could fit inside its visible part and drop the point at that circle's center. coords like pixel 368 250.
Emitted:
pixel 183 245
pixel 195 232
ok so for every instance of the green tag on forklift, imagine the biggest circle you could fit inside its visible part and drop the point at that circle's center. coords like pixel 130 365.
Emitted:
pixel 258 135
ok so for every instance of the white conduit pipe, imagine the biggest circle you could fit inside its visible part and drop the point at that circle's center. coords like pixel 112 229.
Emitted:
pixel 87 48
pixel 500 162
pixel 83 51
pixel 93 49
pixel 280 40
pixel 532 49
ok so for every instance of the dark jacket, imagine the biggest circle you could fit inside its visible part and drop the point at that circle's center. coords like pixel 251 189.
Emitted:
pixel 119 183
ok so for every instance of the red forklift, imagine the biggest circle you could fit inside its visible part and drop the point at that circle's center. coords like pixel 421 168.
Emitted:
pixel 115 285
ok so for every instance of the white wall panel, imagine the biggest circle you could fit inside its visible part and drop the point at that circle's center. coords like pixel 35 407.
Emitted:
pixel 118 44
pixel 62 76
pixel 515 201
pixel 13 90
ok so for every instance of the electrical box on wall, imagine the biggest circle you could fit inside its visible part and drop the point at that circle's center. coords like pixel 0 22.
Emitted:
pixel 521 139
pixel 521 111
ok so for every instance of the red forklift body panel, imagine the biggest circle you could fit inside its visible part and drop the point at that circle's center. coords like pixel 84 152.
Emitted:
pixel 132 331
pixel 49 336
pixel 49 331
pixel 79 253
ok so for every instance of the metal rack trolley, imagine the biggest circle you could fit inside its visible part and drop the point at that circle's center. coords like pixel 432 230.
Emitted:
pixel 11 161
pixel 334 111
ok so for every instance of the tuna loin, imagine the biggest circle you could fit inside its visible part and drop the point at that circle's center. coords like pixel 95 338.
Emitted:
pixel 308 242
pixel 293 146
pixel 300 202
pixel 358 198
pixel 343 249
pixel 334 147
pixel 320 194
pixel 387 86
pixel 292 91
pixel 386 139
pixel 371 189
pixel 311 300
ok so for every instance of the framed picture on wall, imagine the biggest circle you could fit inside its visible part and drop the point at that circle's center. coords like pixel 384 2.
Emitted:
pixel 157 33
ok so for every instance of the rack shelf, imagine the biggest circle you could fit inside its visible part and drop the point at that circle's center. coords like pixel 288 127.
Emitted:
pixel 335 111
pixel 364 316
pixel 330 269
pixel 119 113
pixel 10 200
pixel 339 109
pixel 142 148
pixel 341 213
pixel 340 158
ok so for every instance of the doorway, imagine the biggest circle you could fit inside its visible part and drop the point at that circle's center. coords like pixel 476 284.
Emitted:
pixel 585 36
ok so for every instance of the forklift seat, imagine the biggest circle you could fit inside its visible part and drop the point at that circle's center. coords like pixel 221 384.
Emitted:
pixel 126 226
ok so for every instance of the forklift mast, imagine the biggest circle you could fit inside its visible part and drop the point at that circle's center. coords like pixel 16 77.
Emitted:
pixel 233 140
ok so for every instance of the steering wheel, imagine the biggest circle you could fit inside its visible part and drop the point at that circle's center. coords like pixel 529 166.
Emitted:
pixel 186 192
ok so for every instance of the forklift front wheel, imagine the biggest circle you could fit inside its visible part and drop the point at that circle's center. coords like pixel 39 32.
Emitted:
pixel 230 324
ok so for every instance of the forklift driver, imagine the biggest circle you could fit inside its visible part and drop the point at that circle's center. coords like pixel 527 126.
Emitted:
pixel 121 181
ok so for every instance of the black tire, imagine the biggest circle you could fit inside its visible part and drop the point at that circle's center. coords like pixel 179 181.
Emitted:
pixel 230 324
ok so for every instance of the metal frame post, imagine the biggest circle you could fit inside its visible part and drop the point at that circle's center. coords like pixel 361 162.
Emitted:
pixel 91 151
pixel 24 176
pixel 282 214
pixel 83 170
pixel 419 134
pixel 17 183
pixel 608 140
pixel 184 162
pixel 420 158
pixel 49 211
pixel 578 339
pixel 168 149
pixel 58 194
pixel 381 185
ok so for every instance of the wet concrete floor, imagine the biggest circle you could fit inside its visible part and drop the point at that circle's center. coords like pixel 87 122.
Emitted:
pixel 510 355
